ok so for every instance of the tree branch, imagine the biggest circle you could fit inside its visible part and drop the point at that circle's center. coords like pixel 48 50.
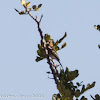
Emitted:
pixel 38 23
pixel 54 72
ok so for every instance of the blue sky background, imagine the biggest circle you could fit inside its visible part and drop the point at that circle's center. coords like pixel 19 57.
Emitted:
pixel 20 74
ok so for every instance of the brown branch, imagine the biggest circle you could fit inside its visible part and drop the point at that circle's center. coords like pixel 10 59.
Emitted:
pixel 54 72
pixel 38 23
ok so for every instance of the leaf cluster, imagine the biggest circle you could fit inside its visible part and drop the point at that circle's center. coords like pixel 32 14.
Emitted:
pixel 28 8
pixel 97 97
pixel 66 87
pixel 47 37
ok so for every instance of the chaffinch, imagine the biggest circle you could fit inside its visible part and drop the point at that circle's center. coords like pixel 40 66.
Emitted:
pixel 52 52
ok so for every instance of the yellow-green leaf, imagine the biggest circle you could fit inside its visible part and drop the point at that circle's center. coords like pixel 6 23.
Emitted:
pixel 63 37
pixel 57 48
pixel 40 47
pixel 47 37
pixel 64 45
pixel 77 93
pixel 34 6
pixel 57 42
pixel 38 59
pixel 83 89
pixel 23 2
pixel 72 75
pixel 28 4
pixel 41 53
pixel 37 9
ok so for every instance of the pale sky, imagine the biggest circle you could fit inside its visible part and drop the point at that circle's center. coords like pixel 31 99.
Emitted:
pixel 20 74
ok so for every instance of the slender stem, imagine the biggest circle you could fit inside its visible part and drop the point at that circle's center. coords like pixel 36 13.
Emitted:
pixel 38 23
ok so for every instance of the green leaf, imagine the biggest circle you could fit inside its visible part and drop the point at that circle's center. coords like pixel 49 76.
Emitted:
pixel 64 45
pixel 47 37
pixel 39 6
pixel 78 84
pixel 28 4
pixel 37 9
pixel 63 37
pixel 41 53
pixel 57 42
pixel 40 47
pixel 72 75
pixel 57 48
pixel 90 86
pixel 97 97
pixel 39 59
pixel 83 89
pixel 34 7
pixel 77 93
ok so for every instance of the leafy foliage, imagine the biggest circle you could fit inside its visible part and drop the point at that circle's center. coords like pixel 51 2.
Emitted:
pixel 66 87
pixel 47 37
pixel 26 5
pixel 97 97
pixel 37 8
pixel 34 7
pixel 64 79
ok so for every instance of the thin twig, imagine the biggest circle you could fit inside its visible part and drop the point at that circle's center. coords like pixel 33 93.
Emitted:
pixel 41 18
pixel 92 97
pixel 38 23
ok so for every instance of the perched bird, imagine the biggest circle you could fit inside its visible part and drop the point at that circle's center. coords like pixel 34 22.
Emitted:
pixel 52 52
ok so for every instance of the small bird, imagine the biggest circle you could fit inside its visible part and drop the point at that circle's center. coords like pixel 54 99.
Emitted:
pixel 52 52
